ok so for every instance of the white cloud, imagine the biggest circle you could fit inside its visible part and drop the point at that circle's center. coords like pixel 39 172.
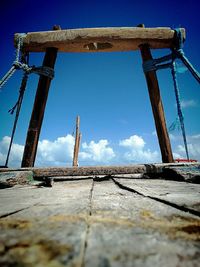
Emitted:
pixel 16 152
pixel 193 147
pixel 98 152
pixel 136 150
pixel 133 142
pixel 188 103
pixel 57 152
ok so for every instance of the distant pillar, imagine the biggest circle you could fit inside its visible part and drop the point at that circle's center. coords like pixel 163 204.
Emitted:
pixel 36 120
pixel 77 142
pixel 157 108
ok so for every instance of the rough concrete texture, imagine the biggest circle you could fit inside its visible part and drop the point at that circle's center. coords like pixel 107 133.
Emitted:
pixel 100 222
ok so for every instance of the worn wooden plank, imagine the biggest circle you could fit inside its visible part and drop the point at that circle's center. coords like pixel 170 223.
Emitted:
pixel 179 193
pixel 43 201
pixel 184 173
pixel 52 232
pixel 108 199
pixel 116 245
pixel 99 39
pixel 82 223
pixel 57 241
pixel 127 229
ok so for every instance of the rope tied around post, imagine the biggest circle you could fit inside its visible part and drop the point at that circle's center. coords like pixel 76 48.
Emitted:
pixel 18 65
pixel 177 53
pixel 168 61
pixel 21 63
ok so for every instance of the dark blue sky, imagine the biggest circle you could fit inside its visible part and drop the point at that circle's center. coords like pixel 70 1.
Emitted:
pixel 107 90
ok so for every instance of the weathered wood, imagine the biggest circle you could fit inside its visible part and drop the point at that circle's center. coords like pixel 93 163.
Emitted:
pixel 77 142
pixel 188 173
pixel 87 171
pixel 129 230
pixel 157 108
pixel 35 124
pixel 9 179
pixel 99 39
pixel 50 230
pixel 103 170
pixel 178 193
pixel 90 224
pixel 150 168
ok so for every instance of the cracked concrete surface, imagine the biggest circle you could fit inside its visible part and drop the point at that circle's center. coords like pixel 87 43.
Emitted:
pixel 100 222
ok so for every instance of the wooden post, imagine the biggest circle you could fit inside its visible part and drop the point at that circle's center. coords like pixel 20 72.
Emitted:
pixel 77 142
pixel 157 107
pixel 35 124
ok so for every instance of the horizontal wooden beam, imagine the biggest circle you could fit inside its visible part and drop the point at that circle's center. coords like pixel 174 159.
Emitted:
pixel 99 170
pixel 99 39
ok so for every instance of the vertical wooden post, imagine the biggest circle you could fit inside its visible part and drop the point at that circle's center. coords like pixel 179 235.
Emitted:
pixel 157 107
pixel 35 124
pixel 77 142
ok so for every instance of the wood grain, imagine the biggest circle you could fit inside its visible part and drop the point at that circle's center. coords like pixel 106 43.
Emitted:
pixel 99 39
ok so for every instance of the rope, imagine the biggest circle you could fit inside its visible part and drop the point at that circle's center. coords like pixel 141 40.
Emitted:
pixel 43 70
pixel 12 70
pixel 7 76
pixel 168 61
pixel 174 125
pixel 190 67
pixel 21 65
pixel 154 64
pixel 178 102
pixel 19 45
pixel 17 65
pixel 177 52
pixel 17 106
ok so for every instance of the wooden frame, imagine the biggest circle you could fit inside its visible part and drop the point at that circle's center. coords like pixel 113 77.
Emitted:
pixel 96 40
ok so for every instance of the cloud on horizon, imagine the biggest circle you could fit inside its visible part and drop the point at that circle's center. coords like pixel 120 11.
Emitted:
pixel 133 149
pixel 136 150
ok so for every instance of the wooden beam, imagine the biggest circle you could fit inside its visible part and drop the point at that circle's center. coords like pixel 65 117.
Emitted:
pixel 38 110
pixel 87 171
pixel 102 170
pixel 77 142
pixel 99 39
pixel 157 108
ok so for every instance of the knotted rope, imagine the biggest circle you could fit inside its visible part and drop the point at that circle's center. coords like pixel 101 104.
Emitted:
pixel 168 61
pixel 18 65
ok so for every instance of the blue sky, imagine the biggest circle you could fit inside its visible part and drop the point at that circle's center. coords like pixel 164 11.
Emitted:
pixel 107 90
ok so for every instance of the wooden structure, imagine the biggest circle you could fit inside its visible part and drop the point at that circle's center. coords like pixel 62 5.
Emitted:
pixel 96 40
pixel 77 142
pixel 109 221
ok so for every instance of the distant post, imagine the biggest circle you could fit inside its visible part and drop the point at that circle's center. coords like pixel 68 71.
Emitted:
pixel 77 142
